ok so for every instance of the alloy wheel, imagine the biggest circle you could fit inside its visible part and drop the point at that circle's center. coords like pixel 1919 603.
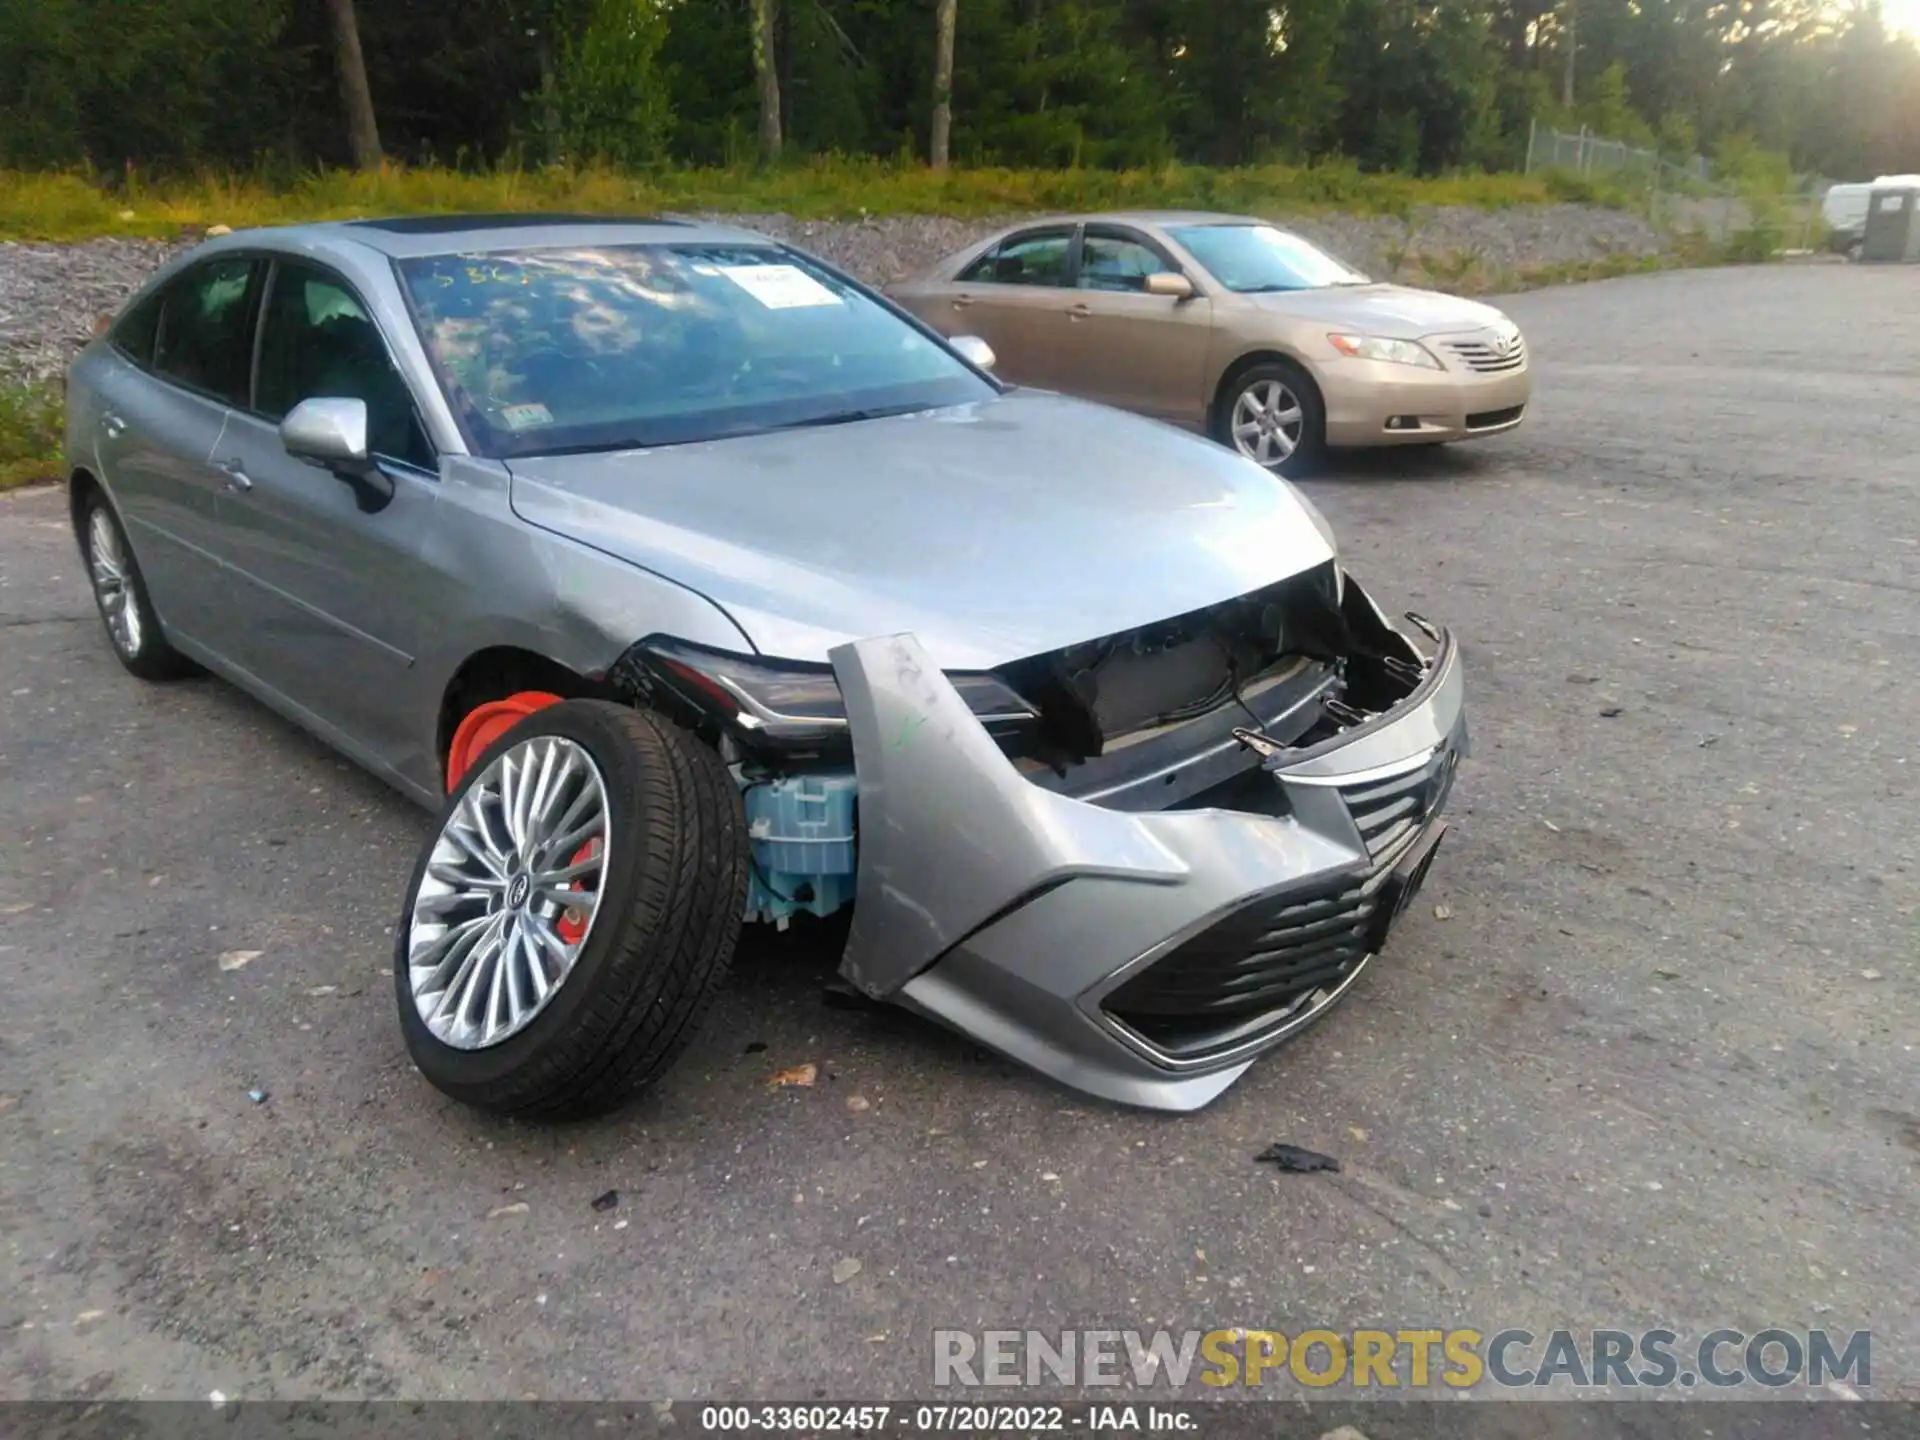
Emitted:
pixel 113 583
pixel 512 889
pixel 1268 422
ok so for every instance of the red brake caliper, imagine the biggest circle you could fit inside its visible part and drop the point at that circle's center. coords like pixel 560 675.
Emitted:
pixel 484 725
pixel 572 925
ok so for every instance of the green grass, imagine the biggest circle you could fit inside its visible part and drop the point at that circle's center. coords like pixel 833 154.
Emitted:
pixel 31 421
pixel 73 206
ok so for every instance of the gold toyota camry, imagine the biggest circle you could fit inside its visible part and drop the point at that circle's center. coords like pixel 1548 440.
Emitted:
pixel 1230 325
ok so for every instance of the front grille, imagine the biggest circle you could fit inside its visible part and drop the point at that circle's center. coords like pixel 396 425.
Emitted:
pixel 1390 812
pixel 1260 966
pixel 1488 419
pixel 1489 356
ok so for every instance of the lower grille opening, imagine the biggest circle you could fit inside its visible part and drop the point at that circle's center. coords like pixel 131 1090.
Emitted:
pixel 1261 966
pixel 1487 419
pixel 1254 970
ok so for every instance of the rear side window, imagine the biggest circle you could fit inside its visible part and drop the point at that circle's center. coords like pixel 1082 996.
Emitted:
pixel 318 340
pixel 206 332
pixel 133 333
pixel 1038 257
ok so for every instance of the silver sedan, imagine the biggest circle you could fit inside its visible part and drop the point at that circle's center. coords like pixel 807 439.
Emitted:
pixel 693 584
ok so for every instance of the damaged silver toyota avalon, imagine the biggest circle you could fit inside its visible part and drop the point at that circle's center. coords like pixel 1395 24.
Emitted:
pixel 695 585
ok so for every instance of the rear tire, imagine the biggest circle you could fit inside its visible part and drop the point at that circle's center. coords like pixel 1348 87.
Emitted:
pixel 1272 413
pixel 667 903
pixel 120 594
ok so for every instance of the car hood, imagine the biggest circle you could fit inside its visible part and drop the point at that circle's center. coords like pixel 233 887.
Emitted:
pixel 1393 311
pixel 991 531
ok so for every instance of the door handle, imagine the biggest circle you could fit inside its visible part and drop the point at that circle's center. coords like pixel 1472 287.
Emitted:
pixel 1079 312
pixel 961 302
pixel 112 424
pixel 238 480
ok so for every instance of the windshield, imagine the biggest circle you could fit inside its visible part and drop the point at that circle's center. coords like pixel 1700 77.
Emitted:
pixel 1253 258
pixel 623 346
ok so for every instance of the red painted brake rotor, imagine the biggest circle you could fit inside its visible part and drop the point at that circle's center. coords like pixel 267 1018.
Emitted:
pixel 487 723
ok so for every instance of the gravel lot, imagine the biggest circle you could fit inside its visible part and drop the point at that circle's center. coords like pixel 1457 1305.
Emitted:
pixel 49 294
pixel 1655 1065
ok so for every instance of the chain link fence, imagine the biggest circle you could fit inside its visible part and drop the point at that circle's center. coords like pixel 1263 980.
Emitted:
pixel 1683 198
pixel 1585 153
pixel 1756 226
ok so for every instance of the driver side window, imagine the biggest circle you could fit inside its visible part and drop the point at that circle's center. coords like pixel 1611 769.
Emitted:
pixel 1115 262
pixel 318 340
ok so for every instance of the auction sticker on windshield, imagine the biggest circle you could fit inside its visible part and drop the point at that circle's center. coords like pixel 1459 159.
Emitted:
pixel 526 417
pixel 780 287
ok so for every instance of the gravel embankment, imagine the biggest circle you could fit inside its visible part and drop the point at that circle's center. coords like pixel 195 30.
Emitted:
pixel 50 294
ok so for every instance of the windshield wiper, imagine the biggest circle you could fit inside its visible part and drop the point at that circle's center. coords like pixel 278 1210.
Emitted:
pixel 597 447
pixel 849 417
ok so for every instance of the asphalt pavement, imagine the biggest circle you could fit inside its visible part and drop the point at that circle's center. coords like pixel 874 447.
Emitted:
pixel 1644 1053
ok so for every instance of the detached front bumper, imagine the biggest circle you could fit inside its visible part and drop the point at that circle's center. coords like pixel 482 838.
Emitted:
pixel 1146 958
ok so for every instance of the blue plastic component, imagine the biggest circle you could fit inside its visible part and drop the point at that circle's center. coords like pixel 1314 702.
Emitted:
pixel 801 829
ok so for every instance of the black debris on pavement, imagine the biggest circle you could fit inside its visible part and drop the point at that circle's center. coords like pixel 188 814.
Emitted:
pixel 1294 1160
pixel 606 1201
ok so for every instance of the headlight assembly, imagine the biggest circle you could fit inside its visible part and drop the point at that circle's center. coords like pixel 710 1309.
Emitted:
pixel 785 703
pixel 1377 347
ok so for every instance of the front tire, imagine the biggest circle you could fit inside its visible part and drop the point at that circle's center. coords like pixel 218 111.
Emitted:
pixel 519 999
pixel 120 594
pixel 1272 414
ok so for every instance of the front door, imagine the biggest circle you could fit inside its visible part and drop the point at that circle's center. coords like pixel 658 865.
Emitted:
pixel 1014 297
pixel 332 585
pixel 1125 347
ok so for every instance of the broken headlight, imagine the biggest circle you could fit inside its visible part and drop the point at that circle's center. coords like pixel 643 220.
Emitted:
pixel 795 704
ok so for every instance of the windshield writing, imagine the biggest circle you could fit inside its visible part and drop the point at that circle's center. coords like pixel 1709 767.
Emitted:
pixel 550 350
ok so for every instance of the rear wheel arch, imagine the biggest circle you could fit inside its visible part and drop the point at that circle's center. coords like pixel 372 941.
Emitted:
pixel 82 486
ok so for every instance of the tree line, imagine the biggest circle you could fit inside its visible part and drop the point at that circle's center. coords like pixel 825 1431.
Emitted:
pixel 1413 85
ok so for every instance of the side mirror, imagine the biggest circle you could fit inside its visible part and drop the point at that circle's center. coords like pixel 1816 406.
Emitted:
pixel 328 431
pixel 1171 284
pixel 973 350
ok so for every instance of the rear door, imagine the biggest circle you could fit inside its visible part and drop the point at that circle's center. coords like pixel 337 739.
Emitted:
pixel 183 354
pixel 1014 297
pixel 1125 347
pixel 329 567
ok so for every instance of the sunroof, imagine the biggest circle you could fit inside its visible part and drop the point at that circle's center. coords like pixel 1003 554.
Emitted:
pixel 454 224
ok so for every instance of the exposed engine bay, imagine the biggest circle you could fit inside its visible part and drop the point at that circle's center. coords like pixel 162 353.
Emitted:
pixel 1179 714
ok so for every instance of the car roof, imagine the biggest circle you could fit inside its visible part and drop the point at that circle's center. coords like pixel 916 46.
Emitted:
pixel 1140 217
pixel 406 237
